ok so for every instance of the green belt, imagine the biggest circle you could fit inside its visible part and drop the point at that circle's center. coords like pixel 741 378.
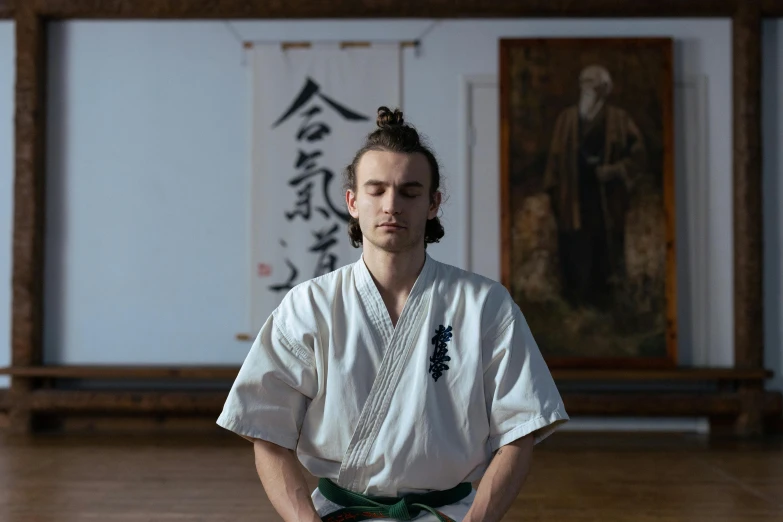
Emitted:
pixel 358 507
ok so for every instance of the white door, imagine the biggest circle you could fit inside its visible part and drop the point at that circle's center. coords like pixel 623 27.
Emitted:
pixel 483 178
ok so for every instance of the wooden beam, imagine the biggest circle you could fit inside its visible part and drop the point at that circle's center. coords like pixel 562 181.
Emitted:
pixel 772 8
pixel 214 373
pixel 655 374
pixel 189 402
pixel 29 203
pixel 375 8
pixel 665 404
pixel 136 372
pixel 577 403
pixel 363 9
pixel 6 9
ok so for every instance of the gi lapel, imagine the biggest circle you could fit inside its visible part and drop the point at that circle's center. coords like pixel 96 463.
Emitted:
pixel 385 383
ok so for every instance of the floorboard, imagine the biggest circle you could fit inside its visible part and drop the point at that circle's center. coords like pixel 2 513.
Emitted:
pixel 576 477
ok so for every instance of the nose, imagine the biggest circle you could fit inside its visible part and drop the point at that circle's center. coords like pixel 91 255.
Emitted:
pixel 391 202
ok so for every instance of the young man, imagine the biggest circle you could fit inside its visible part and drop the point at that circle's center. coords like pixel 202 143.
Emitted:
pixel 397 380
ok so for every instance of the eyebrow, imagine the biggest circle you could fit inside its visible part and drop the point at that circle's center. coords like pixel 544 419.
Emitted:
pixel 378 183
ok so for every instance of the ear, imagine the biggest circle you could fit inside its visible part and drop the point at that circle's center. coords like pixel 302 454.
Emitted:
pixel 350 202
pixel 434 205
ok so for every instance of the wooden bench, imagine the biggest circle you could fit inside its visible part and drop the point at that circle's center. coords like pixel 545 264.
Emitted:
pixel 229 372
pixel 727 396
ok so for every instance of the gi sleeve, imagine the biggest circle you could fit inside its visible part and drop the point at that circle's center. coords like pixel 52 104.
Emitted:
pixel 520 393
pixel 273 388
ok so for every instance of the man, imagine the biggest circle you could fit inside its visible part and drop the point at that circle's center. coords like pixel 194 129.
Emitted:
pixel 396 378
pixel 596 156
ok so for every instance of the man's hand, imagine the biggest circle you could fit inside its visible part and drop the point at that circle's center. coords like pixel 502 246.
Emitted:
pixel 502 481
pixel 284 483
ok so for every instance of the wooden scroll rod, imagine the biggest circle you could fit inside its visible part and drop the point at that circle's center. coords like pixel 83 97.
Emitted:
pixel 343 45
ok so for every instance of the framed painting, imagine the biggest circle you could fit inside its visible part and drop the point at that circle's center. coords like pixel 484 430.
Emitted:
pixel 587 197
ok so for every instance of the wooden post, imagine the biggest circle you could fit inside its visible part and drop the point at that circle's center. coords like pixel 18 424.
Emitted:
pixel 748 298
pixel 29 208
pixel 6 9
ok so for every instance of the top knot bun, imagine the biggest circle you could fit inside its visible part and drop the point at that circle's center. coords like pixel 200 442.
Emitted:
pixel 387 118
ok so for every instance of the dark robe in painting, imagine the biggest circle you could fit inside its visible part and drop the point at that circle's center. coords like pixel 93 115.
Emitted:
pixel 590 213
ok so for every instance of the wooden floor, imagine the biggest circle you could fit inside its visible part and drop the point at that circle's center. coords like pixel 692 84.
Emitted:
pixel 575 477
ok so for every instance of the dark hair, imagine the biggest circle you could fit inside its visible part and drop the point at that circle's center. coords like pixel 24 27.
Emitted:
pixel 394 135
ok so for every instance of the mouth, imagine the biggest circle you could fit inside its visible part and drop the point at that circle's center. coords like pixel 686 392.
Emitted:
pixel 391 226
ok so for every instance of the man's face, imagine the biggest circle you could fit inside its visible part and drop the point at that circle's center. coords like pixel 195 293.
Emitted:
pixel 392 201
pixel 592 90
pixel 591 83
pixel 589 80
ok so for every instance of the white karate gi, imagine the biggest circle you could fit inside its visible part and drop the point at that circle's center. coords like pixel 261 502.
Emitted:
pixel 329 377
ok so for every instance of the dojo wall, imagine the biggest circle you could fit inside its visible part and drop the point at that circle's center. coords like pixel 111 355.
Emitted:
pixel 148 153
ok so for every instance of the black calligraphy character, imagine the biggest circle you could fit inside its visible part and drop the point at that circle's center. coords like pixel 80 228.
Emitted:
pixel 313 131
pixel 288 285
pixel 307 160
pixel 303 206
pixel 439 358
pixel 326 260
pixel 311 89
pixel 326 181
pixel 304 203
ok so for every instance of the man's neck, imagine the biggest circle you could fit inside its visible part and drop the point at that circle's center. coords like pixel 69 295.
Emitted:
pixel 394 275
